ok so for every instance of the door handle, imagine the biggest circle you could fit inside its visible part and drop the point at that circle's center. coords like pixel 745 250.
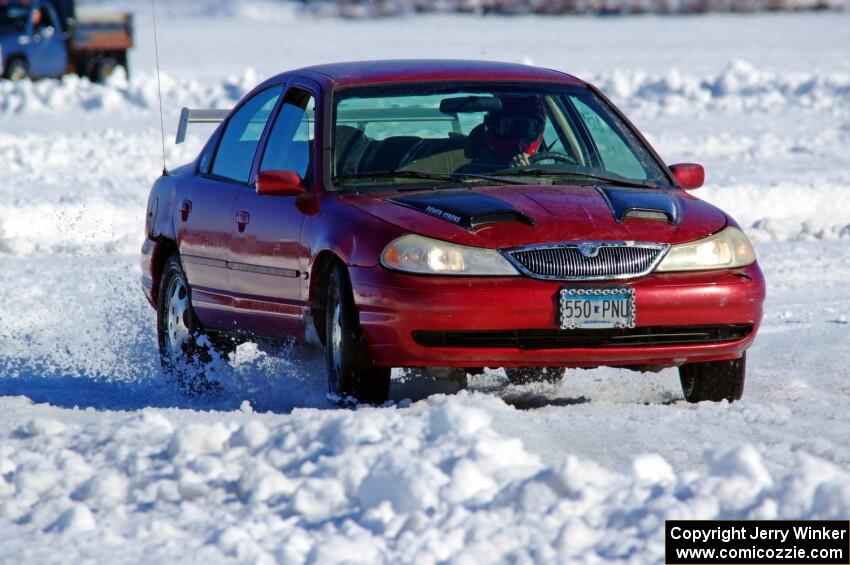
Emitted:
pixel 243 218
pixel 185 209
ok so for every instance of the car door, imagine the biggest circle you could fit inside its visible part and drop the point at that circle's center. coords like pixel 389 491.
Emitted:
pixel 204 206
pixel 48 52
pixel 266 258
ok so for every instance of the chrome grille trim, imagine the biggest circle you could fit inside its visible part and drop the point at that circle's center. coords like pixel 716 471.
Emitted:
pixel 606 260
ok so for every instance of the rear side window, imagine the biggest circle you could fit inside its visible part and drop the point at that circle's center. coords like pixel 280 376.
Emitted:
pixel 290 143
pixel 239 141
pixel 13 17
pixel 205 162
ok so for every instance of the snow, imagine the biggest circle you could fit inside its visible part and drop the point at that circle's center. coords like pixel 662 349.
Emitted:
pixel 376 484
pixel 288 10
pixel 101 458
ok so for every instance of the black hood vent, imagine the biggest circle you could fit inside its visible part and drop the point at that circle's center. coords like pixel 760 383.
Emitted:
pixel 466 209
pixel 643 203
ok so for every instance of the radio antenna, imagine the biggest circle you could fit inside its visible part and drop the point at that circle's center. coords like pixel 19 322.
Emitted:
pixel 159 87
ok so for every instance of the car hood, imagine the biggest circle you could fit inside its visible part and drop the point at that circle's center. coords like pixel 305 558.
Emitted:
pixel 512 216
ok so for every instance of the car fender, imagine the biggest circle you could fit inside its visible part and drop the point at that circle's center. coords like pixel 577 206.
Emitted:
pixel 162 203
pixel 357 238
pixel 159 222
pixel 160 233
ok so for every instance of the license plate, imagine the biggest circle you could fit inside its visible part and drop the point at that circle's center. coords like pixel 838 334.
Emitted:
pixel 597 308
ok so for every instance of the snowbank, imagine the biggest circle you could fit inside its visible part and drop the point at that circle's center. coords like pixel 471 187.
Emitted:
pixel 118 95
pixel 432 482
pixel 740 87
pixel 260 9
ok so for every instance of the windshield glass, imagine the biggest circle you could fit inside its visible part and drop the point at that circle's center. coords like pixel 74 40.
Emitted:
pixel 457 134
pixel 13 17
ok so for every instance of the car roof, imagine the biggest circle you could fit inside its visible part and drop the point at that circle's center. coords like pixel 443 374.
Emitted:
pixel 361 73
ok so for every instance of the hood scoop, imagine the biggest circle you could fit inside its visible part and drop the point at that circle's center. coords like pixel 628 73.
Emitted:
pixel 641 203
pixel 466 209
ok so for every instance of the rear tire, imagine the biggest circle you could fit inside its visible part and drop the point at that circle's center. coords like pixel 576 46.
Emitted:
pixel 184 348
pixel 103 69
pixel 714 381
pixel 17 69
pixel 527 375
pixel 351 371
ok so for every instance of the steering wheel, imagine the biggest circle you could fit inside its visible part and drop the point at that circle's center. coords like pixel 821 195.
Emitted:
pixel 557 157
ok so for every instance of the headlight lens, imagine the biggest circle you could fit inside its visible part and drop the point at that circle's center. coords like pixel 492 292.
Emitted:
pixel 423 255
pixel 727 249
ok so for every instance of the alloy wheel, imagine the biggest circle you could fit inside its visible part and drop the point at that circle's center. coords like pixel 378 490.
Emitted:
pixel 177 330
pixel 18 72
pixel 336 344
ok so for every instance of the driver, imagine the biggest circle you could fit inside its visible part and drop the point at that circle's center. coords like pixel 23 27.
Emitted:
pixel 510 135
pixel 37 18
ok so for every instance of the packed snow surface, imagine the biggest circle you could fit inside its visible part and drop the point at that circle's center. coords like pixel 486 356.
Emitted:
pixel 101 458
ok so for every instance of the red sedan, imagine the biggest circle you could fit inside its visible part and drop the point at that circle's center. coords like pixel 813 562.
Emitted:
pixel 455 214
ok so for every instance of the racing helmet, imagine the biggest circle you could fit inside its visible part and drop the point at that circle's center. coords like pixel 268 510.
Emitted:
pixel 517 127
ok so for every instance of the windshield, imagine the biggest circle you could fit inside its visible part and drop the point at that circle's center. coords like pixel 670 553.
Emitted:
pixel 13 17
pixel 466 134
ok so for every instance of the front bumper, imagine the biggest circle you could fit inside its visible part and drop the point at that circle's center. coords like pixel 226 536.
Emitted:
pixel 397 309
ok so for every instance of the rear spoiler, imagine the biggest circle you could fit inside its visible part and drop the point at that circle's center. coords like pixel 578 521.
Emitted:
pixel 188 116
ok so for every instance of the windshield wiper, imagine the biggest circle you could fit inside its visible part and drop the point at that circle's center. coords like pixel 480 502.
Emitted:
pixel 445 177
pixel 612 180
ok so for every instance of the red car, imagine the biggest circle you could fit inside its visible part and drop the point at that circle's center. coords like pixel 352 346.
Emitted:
pixel 457 214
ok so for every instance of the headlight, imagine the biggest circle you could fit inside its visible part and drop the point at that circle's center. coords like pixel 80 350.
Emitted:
pixel 727 249
pixel 423 255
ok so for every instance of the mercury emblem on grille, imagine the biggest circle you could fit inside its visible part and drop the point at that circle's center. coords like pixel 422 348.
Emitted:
pixel 588 249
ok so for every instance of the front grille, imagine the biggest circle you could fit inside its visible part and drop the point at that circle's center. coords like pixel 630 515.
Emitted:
pixel 583 339
pixel 587 261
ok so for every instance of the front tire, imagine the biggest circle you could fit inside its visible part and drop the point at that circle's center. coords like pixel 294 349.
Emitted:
pixel 184 349
pixel 351 371
pixel 17 70
pixel 714 381
pixel 103 69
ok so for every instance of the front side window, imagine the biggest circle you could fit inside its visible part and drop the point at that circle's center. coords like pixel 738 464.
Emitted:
pixel 238 144
pixel 290 144
pixel 384 136
pixel 611 145
pixel 42 22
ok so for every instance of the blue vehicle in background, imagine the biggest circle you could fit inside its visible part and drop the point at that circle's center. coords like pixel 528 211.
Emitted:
pixel 45 39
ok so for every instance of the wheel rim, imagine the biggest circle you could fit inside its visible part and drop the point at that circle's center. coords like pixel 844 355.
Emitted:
pixel 177 331
pixel 18 73
pixel 106 71
pixel 336 344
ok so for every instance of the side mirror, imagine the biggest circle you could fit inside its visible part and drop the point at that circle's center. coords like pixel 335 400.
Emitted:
pixel 689 175
pixel 280 183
